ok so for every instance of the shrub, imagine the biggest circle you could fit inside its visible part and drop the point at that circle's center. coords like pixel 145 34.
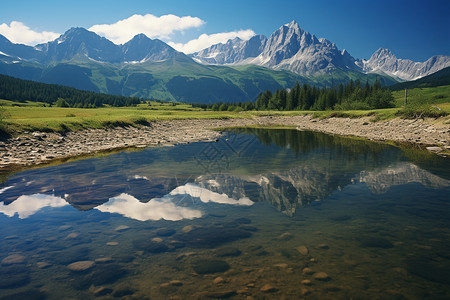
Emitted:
pixel 3 125
pixel 421 110
pixel 61 103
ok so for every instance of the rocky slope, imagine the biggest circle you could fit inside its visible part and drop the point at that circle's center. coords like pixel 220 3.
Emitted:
pixel 384 61
pixel 291 48
pixel 381 181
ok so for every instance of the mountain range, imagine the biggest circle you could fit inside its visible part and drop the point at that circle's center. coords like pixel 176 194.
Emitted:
pixel 232 72
pixel 291 48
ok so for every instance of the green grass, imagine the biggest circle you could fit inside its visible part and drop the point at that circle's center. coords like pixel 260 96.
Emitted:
pixel 29 118
pixel 32 116
pixel 424 102
pixel 20 104
pixel 435 95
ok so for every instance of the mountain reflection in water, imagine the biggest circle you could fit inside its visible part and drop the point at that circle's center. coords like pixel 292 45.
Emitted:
pixel 293 169
pixel 259 214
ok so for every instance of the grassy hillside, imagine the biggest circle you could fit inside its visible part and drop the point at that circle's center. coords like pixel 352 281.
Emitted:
pixel 177 79
pixel 424 102
pixel 26 90
pixel 430 95
pixel 439 78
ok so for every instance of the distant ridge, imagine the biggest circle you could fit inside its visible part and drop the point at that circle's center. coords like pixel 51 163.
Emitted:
pixel 20 90
pixel 439 78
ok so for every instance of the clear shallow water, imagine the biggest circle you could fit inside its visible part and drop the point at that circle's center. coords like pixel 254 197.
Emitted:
pixel 255 214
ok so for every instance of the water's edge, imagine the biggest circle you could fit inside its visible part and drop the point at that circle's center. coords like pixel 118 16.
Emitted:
pixel 30 149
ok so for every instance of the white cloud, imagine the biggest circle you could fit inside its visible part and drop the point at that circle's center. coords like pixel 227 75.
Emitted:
pixel 206 195
pixel 28 205
pixel 155 209
pixel 19 33
pixel 207 40
pixel 152 26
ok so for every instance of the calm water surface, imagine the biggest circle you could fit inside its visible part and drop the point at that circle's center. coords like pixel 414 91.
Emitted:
pixel 268 214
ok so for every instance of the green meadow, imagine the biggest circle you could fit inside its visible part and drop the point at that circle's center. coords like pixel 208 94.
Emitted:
pixel 33 116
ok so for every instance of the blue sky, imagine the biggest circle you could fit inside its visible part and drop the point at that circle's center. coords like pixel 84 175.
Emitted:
pixel 412 29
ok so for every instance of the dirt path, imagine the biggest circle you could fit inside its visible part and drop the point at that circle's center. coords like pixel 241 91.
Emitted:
pixel 36 147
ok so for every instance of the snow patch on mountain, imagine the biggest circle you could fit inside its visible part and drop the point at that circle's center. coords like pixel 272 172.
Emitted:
pixel 384 61
pixel 293 49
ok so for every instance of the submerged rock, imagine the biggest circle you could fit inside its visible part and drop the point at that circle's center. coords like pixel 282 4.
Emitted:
pixel 102 291
pixel 187 228
pixel 69 255
pixel 72 235
pixel 209 237
pixel 103 260
pixel 14 259
pixel 285 236
pixel 123 291
pixel 64 227
pixel 150 246
pixel 323 246
pixel 306 282
pixel 165 232
pixel 122 228
pixel 221 294
pixel 303 250
pixel 81 266
pixel 43 264
pixel 228 251
pixel 218 280
pixel 321 276
pixel 176 244
pixel 268 288
pixel 210 266
pixel 281 266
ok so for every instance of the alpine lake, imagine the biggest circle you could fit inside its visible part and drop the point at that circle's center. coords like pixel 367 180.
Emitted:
pixel 258 214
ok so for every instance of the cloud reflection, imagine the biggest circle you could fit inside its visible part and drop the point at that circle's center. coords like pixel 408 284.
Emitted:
pixel 206 195
pixel 155 209
pixel 5 189
pixel 28 205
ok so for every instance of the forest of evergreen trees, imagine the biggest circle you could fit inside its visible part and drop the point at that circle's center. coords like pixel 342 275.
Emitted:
pixel 353 95
pixel 25 90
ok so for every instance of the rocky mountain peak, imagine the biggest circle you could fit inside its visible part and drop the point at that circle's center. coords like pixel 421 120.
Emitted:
pixel 142 49
pixel 293 24
pixel 294 49
pixel 77 35
pixel 382 53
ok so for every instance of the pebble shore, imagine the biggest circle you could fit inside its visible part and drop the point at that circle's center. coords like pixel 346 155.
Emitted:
pixel 31 148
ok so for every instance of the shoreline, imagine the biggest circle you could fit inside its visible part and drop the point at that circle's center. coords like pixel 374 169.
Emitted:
pixel 35 148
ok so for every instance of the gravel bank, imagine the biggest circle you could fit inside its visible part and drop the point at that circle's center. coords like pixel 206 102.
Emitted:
pixel 36 147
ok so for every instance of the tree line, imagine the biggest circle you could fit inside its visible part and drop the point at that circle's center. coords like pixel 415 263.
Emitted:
pixel 51 94
pixel 352 95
